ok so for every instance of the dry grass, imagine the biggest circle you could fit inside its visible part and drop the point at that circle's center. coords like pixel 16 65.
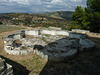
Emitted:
pixel 4 28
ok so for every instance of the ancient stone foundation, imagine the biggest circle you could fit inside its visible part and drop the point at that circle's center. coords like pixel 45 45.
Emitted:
pixel 53 45
pixel 5 68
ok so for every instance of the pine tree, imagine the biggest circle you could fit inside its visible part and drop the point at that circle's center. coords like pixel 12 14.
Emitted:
pixel 93 15
pixel 78 18
pixel 89 18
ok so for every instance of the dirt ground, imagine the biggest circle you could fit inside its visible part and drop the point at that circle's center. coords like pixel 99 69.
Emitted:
pixel 85 63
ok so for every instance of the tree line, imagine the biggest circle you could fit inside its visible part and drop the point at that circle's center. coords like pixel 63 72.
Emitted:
pixel 87 18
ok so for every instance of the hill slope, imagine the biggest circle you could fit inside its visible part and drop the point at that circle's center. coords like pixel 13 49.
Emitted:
pixel 61 14
pixel 34 20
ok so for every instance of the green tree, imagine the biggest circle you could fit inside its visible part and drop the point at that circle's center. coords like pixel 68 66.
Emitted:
pixel 78 18
pixel 1 23
pixel 93 15
pixel 89 18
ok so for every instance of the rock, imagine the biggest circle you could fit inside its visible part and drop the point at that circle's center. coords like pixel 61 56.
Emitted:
pixel 5 68
pixel 77 35
pixel 80 31
pixel 87 44
pixel 38 47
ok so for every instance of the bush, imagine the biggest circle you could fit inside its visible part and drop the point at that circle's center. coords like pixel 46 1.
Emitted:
pixel 1 23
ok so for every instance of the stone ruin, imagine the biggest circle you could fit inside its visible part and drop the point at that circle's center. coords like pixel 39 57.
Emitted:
pixel 5 68
pixel 50 44
pixel 53 45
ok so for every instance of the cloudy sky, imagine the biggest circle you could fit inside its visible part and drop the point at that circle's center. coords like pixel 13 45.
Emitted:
pixel 36 6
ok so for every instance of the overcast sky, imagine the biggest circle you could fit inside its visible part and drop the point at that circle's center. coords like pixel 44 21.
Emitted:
pixel 36 6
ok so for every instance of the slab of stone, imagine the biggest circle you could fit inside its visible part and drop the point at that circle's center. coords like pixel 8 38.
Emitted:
pixel 32 32
pixel 80 31
pixel 5 68
pixel 87 44
pixel 60 50
pixel 77 35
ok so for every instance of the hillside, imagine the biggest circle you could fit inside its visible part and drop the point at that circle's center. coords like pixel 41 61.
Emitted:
pixel 60 14
pixel 32 20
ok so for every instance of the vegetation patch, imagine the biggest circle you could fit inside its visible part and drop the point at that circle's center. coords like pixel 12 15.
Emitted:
pixel 87 18
pixel 4 28
pixel 33 63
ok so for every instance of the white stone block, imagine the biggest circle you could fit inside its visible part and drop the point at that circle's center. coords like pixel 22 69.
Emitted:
pixel 88 44
pixel 32 32
pixel 72 35
pixel 65 33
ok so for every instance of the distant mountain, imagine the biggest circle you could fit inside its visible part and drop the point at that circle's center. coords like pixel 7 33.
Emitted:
pixel 60 14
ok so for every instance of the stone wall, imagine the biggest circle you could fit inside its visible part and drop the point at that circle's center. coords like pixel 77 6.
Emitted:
pixel 5 68
pixel 32 32
pixel 55 28
pixel 80 31
pixel 49 32
pixel 83 44
pixel 55 32
pixel 64 57
pixel 17 52
pixel 91 34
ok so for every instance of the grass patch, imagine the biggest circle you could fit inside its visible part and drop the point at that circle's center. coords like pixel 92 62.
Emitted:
pixel 34 63
pixel 4 28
